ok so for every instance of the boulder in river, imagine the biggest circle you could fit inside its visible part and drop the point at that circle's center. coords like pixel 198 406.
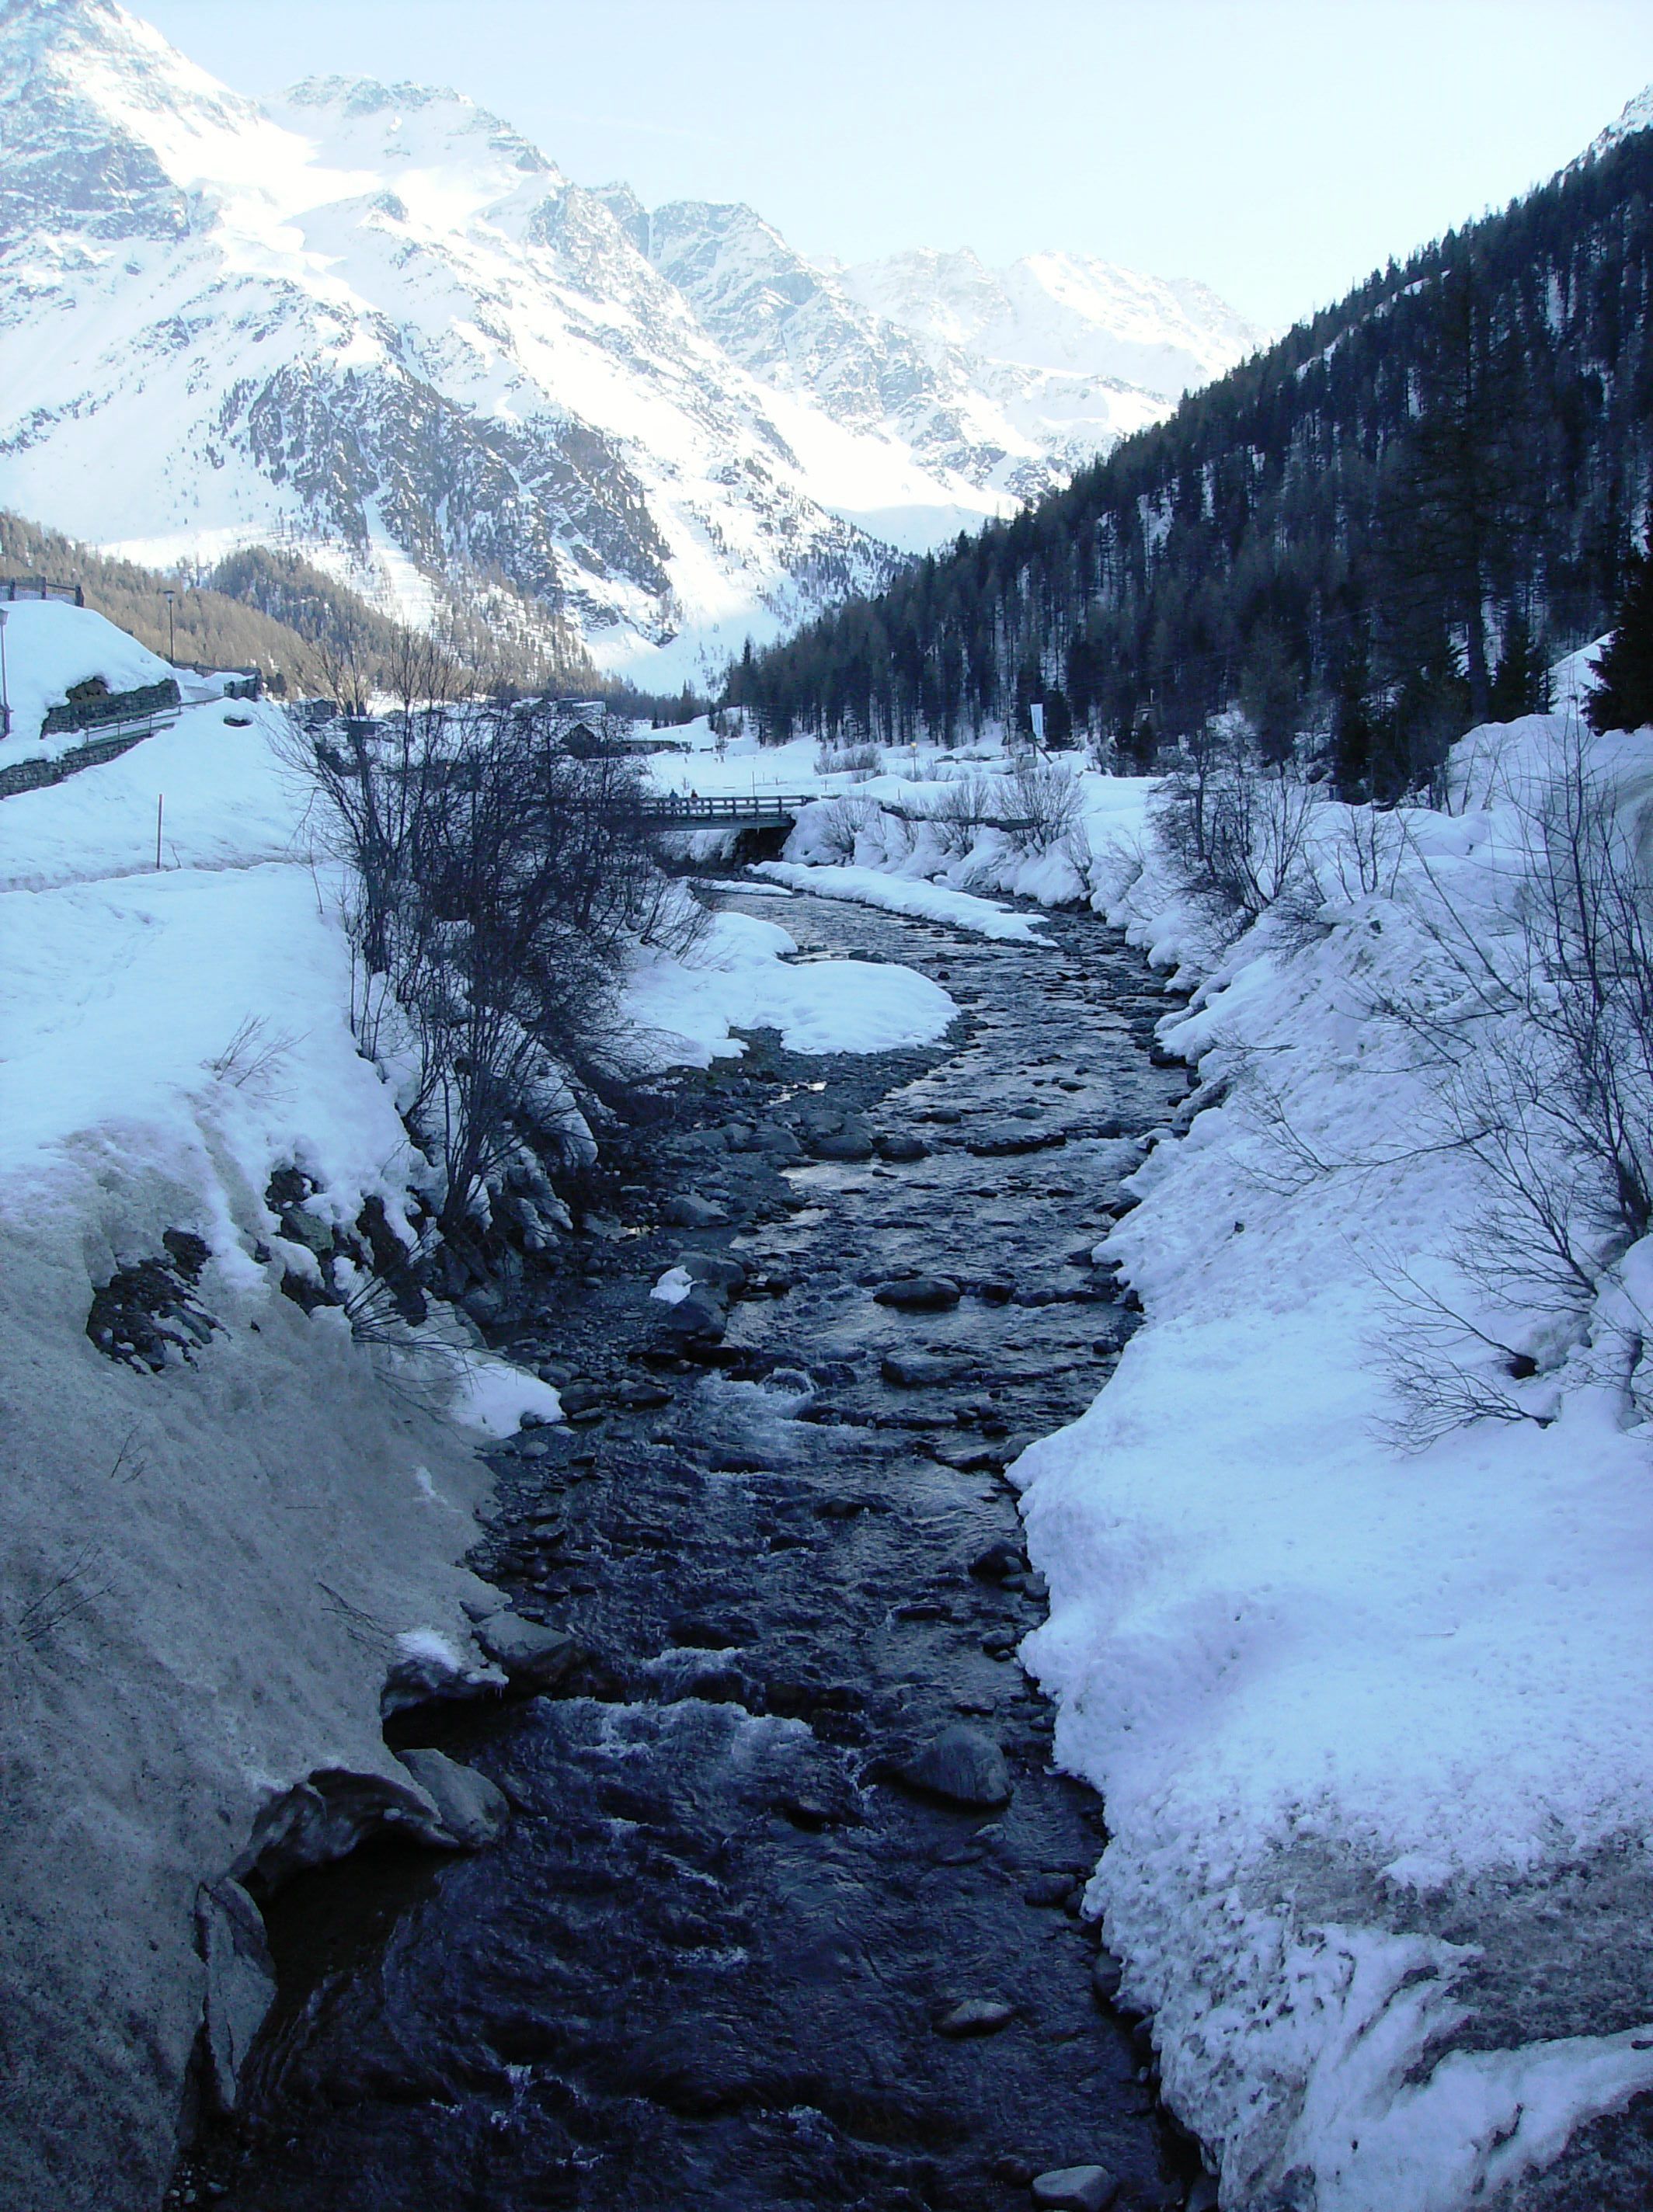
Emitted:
pixel 899 1145
pixel 1000 1560
pixel 919 1294
pixel 852 1142
pixel 974 2016
pixel 1076 2189
pixel 712 1268
pixel 961 1764
pixel 473 1810
pixel 240 1981
pixel 528 1652
pixel 1001 1143
pixel 919 1370
pixel 687 1209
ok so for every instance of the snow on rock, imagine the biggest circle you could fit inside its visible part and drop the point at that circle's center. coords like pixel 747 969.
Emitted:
pixel 740 977
pixel 915 896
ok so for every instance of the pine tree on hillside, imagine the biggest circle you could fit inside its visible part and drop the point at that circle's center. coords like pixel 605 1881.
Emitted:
pixel 1522 684
pixel 1624 666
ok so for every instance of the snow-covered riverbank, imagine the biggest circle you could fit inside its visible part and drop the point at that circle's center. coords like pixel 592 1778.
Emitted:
pixel 1371 1724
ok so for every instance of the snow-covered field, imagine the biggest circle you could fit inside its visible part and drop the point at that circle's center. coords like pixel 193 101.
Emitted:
pixel 1372 1724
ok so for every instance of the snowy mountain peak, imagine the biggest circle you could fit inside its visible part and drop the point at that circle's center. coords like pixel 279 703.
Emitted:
pixel 1062 313
pixel 1638 115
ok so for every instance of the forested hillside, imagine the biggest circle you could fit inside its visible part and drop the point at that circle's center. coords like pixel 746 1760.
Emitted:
pixel 275 611
pixel 1370 535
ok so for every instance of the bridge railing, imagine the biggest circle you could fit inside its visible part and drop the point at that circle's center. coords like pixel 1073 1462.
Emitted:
pixel 758 806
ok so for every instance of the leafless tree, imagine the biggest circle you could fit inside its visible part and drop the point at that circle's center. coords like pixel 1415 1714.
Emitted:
pixel 498 886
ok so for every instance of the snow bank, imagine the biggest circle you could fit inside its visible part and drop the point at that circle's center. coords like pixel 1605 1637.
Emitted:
pixel 50 646
pixel 205 1571
pixel 740 977
pixel 902 895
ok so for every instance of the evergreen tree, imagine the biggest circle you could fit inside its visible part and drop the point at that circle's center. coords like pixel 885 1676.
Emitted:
pixel 1522 684
pixel 1624 699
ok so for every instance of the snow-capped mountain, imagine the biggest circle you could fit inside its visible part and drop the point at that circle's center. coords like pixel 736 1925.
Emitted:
pixel 1075 351
pixel 376 323
pixel 798 327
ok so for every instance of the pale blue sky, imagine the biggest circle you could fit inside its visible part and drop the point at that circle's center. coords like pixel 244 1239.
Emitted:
pixel 1276 148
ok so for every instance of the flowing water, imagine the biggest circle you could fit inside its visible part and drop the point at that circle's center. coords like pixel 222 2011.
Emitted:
pixel 714 1960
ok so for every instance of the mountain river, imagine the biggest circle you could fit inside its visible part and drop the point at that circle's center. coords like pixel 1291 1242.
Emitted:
pixel 726 1953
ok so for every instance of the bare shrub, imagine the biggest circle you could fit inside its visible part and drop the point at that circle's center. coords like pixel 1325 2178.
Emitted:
pixel 1043 799
pixel 966 806
pixel 860 762
pixel 252 1052
pixel 1363 852
pixel 1236 839
pixel 498 885
pixel 840 822
pixel 1540 1041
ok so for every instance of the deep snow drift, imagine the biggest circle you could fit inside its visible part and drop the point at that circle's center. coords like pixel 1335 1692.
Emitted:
pixel 1371 1725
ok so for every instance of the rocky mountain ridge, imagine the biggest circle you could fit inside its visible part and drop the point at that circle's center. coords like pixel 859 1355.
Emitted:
pixel 375 324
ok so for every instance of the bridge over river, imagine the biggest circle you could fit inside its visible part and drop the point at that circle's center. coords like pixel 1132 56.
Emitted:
pixel 758 810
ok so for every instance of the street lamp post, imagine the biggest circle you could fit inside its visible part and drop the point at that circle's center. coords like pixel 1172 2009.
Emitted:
pixel 5 699
pixel 171 640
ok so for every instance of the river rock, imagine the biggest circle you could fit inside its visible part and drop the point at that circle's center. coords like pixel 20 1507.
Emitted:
pixel 899 1145
pixel 853 1142
pixel 716 1268
pixel 919 1294
pixel 1046 1890
pixel 998 1561
pixel 240 1981
pixel 687 1209
pixel 305 1227
pixel 963 1764
pixel 473 1810
pixel 974 2016
pixel 917 1371
pixel 700 1316
pixel 778 1143
pixel 1105 1977
pixel 1075 2189
pixel 528 1652
pixel 1002 1143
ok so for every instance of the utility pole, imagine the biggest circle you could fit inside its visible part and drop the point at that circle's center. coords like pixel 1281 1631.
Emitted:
pixel 5 699
pixel 172 641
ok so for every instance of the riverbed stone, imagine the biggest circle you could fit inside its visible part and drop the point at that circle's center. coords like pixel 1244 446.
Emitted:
pixel 974 2016
pixel 961 1764
pixel 687 1209
pixel 529 1652
pixel 917 1371
pixel 1075 2189
pixel 899 1145
pixel 1000 1560
pixel 853 1142
pixel 919 1294
pixel 1003 1143
pixel 473 1810
pixel 240 1982
pixel 714 1267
